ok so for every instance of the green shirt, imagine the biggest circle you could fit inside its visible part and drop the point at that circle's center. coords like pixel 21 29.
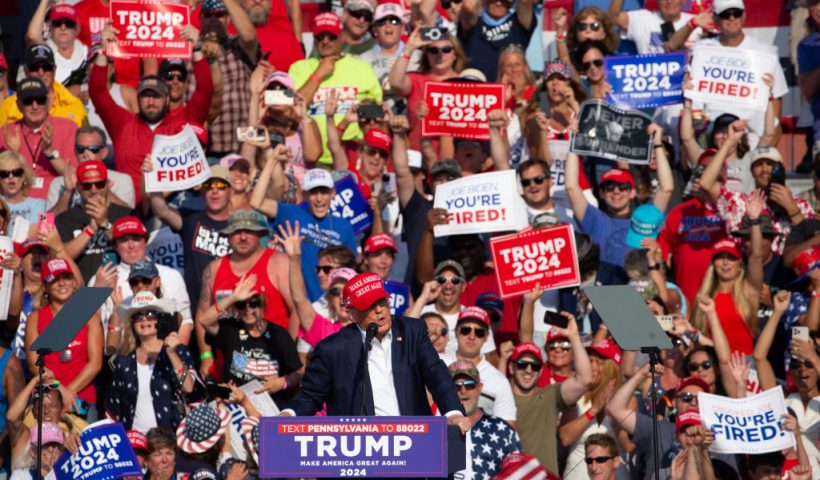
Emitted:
pixel 537 421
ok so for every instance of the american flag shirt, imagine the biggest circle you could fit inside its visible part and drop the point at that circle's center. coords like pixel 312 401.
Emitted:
pixel 488 442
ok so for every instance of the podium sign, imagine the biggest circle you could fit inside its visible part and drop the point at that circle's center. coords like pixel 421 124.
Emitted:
pixel 329 447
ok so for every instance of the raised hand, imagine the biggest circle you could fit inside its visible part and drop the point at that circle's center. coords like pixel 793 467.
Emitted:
pixel 739 366
pixel 755 202
pixel 781 301
pixel 290 239
pixel 244 289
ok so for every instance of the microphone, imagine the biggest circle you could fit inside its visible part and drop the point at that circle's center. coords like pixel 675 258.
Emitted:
pixel 370 334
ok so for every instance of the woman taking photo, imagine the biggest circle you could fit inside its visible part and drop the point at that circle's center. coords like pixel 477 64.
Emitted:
pixel 151 358
pixel 15 181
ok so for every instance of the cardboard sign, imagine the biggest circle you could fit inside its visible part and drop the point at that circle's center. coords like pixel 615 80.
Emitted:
pixel 149 29
pixel 746 425
pixel 320 447
pixel 105 453
pixel 730 77
pixel 165 247
pixel 460 109
pixel 179 163
pixel 6 277
pixel 350 204
pixel 544 257
pixel 646 81
pixel 487 202
pixel 399 296
pixel 19 229
pixel 609 132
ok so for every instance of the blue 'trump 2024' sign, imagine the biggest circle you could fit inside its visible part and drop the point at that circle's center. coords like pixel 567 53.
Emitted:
pixel 646 81
pixel 353 447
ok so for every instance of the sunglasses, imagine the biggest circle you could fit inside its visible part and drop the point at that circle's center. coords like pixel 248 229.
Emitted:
pixel 375 152
pixel 388 20
pixel 523 364
pixel 525 182
pixel 326 36
pixel 611 187
pixel 335 291
pixel 597 62
pixel 731 13
pixel 91 148
pixel 591 460
pixel 437 50
pixel 445 4
pixel 17 172
pixel 214 14
pixel 594 26
pixel 140 316
pixel 41 66
pixel 38 100
pixel 63 23
pixel 795 364
pixel 99 185
pixel 326 269
pixel 215 185
pixel 688 397
pixel 563 345
pixel 361 14
pixel 254 302
pixel 137 281
pixel 479 332
pixel 694 366
pixel 466 384
pixel 175 76
pixel 456 280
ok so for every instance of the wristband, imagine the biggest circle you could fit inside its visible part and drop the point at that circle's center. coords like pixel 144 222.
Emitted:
pixel 657 266
pixel 89 232
pixel 692 24
pixel 204 355
pixel 815 294
pixel 315 78
pixel 405 56
pixel 589 415
pixel 560 36
pixel 55 383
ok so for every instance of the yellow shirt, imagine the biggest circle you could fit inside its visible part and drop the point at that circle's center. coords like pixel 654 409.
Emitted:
pixel 65 105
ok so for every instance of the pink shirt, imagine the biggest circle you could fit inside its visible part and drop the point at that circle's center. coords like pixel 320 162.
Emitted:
pixel 321 328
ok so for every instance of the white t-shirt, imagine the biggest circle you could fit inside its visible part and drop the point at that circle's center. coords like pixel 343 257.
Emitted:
pixel 67 65
pixel 809 421
pixel 121 185
pixel 645 30
pixel 452 319
pixel 496 395
pixel 144 417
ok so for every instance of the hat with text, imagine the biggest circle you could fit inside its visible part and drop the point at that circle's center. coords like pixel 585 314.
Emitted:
pixel 464 368
pixel 691 381
pixel 555 334
pixel 720 6
pixel 617 175
pixel 646 222
pixel 727 245
pixel 473 313
pixel 202 428
pixel 24 248
pixel 31 87
pixel 317 178
pixel 243 219
pixel 445 165
pixel 517 466
pixel 52 433
pixel 129 225
pixel 91 171
pixel 143 269
pixel 378 139
pixel 389 10
pixel 39 53
pixel 687 418
pixel 327 22
pixel 450 265
pixel 379 241
pixel 64 11
pixel 363 290
pixel 556 67
pixel 768 152
pixel 54 268
pixel 145 301
pixel 524 348
pixel 137 439
pixel 152 83
pixel 173 65
pixel 343 274
pixel 218 172
pixel 607 349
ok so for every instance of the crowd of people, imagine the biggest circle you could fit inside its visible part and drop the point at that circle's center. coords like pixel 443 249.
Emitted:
pixel 251 277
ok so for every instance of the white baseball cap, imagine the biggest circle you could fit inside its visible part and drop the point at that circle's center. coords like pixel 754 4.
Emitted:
pixel 720 6
pixel 389 10
pixel 768 152
pixel 315 178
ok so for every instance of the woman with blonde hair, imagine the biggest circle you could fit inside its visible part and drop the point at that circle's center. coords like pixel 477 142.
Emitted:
pixel 16 178
pixel 515 73
pixel 735 290
pixel 590 23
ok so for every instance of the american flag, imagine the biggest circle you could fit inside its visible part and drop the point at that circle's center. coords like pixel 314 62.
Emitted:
pixel 491 440
pixel 254 367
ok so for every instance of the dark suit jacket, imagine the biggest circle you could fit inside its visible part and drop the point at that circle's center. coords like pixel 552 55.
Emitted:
pixel 334 374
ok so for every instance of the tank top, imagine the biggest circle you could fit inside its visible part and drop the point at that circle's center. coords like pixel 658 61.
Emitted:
pixel 737 333
pixel 275 310
pixel 75 356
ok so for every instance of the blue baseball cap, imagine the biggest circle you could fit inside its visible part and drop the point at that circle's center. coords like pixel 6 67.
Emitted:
pixel 646 221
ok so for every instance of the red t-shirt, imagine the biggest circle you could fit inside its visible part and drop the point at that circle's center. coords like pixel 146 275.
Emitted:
pixel 548 378
pixel 93 15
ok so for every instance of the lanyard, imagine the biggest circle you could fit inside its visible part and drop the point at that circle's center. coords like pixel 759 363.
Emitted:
pixel 28 146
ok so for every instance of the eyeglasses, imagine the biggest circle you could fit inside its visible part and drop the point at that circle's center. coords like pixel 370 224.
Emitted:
pixel 137 281
pixel 140 316
pixel 388 20
pixel 590 460
pixel 563 345
pixel 335 291
pixel 375 152
pixel 95 149
pixel 523 364
pixel 597 62
pixel 437 50
pixel 445 4
pixel 456 280
pixel 176 76
pixel 326 269
pixel 215 185
pixel 40 66
pixel 365 14
pixel 214 14
pixel 39 100
pixel 731 13
pixel 479 332
pixel 695 366
pixel 63 22
pixel 253 302
pixel 99 185
pixel 611 187
pixel 17 172
pixel 594 26
pixel 326 36
pixel 795 364
pixel 688 397
pixel 466 384
pixel 525 182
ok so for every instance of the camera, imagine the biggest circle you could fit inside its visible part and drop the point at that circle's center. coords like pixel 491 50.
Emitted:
pixel 370 112
pixel 279 97
pixel 431 34
pixel 250 134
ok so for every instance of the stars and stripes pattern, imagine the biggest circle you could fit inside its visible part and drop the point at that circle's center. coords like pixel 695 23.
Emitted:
pixel 255 367
pixel 492 439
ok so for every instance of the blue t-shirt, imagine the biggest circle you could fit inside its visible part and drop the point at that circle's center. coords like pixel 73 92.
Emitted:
pixel 30 209
pixel 319 233
pixel 610 235
pixel 808 60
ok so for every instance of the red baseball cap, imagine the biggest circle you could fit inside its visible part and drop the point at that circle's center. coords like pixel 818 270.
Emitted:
pixel 517 465
pixel 378 139
pixel 361 291
pixel 690 381
pixel 706 156
pixel 138 440
pixel 474 313
pixel 128 226
pixel 327 23
pixel 63 12
pixel 25 247
pixel 607 349
pixel 806 261
pixel 554 334
pixel 686 418
pixel 526 347
pixel 726 246
pixel 91 171
pixel 379 241
pixel 617 175
pixel 54 268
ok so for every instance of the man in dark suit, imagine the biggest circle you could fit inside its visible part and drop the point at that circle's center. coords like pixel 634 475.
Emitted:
pixel 401 363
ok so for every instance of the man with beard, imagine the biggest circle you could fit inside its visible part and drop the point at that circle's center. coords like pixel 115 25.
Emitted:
pixel 133 134
pixel 356 20
pixel 236 56
pixel 279 30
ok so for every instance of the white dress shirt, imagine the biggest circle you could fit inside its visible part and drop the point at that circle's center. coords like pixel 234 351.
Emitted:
pixel 380 368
